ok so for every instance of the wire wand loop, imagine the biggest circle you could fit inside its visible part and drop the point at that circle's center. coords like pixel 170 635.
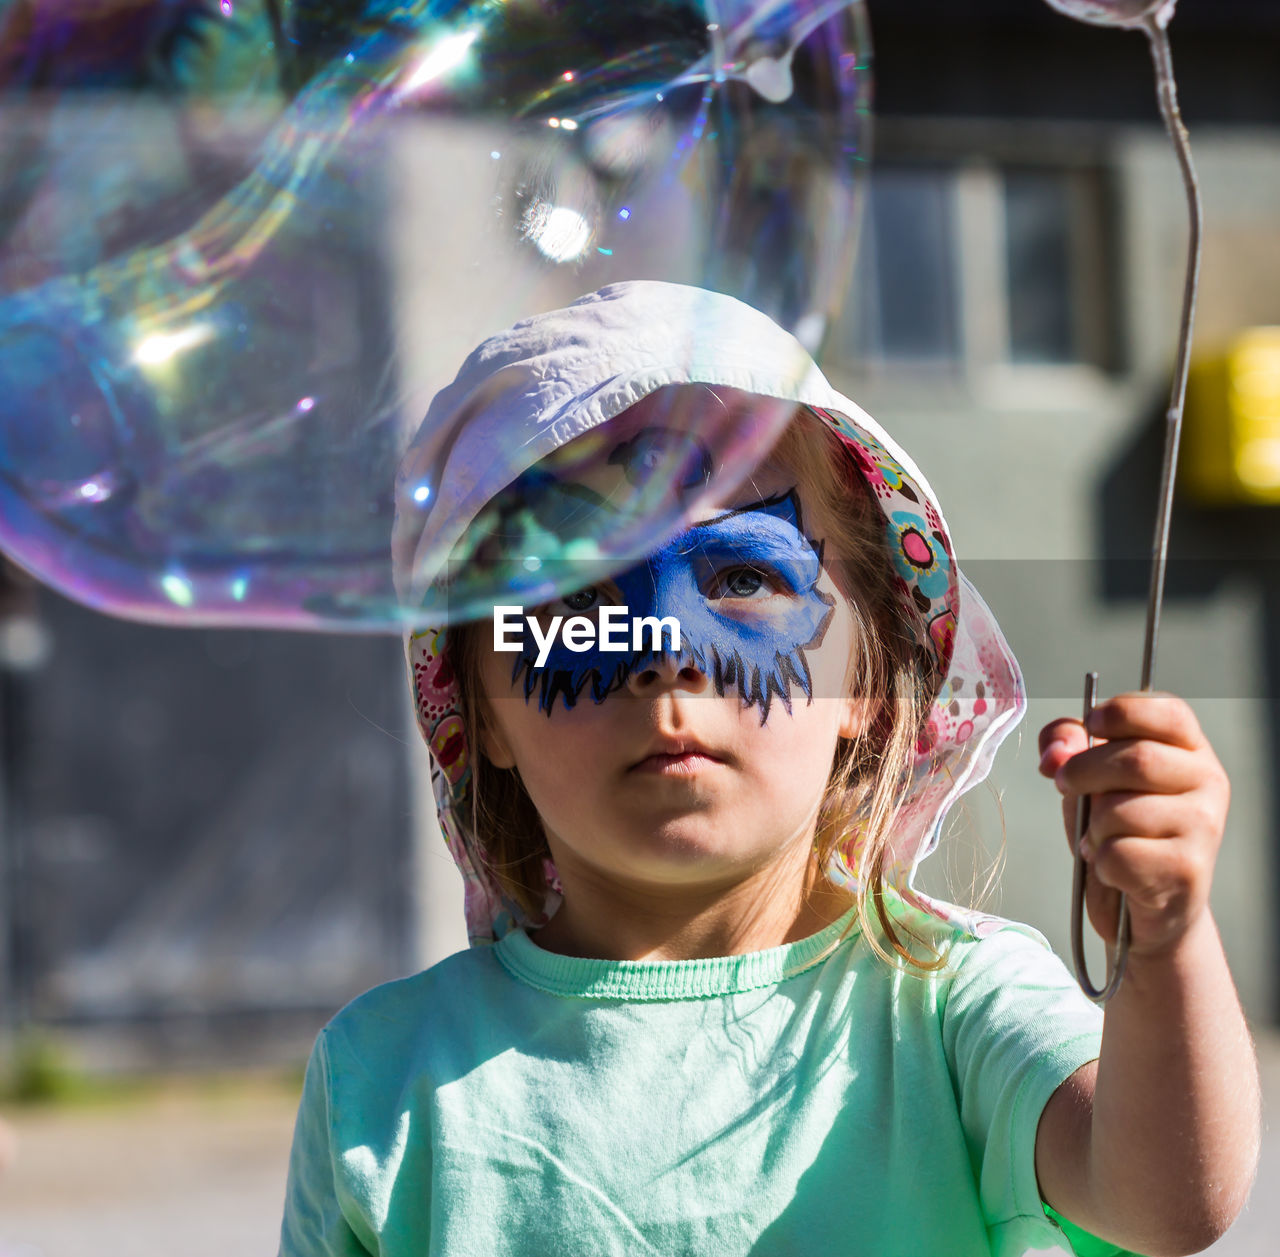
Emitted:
pixel 1154 18
pixel 1117 956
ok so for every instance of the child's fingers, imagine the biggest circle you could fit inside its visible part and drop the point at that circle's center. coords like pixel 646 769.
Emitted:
pixel 1158 808
pixel 1156 816
pixel 1152 873
pixel 1159 717
pixel 1059 741
pixel 1134 764
pixel 1166 885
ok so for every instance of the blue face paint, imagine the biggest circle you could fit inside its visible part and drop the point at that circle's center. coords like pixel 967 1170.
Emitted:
pixel 743 588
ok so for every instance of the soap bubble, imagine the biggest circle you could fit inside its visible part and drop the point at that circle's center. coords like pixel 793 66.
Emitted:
pixel 243 244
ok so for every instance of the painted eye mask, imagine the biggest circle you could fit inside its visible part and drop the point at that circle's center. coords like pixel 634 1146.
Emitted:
pixel 743 588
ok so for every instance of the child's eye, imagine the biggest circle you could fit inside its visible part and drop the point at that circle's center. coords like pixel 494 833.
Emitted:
pixel 740 582
pixel 583 600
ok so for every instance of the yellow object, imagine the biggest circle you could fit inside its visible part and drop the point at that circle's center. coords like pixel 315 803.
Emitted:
pixel 1231 438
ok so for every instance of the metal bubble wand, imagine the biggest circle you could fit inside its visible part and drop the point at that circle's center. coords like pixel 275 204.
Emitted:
pixel 1152 17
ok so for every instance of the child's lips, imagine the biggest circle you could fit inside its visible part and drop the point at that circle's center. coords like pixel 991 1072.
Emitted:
pixel 681 764
pixel 678 757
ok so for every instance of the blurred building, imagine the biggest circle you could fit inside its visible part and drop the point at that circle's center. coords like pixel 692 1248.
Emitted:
pixel 207 836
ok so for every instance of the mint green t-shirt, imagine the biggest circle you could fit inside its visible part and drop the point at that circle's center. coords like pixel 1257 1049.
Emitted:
pixel 804 1101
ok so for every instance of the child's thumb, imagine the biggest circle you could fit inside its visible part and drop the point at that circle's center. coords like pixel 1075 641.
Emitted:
pixel 1059 741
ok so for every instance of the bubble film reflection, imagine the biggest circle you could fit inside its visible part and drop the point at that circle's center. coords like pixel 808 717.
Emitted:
pixel 556 524
pixel 242 245
pixel 1124 13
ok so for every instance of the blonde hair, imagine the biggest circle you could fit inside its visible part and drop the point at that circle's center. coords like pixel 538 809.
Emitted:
pixel 889 670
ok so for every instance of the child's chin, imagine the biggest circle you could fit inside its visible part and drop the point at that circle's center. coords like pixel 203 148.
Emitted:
pixel 691 848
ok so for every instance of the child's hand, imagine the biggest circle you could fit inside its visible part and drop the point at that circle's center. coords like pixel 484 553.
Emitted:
pixel 1158 812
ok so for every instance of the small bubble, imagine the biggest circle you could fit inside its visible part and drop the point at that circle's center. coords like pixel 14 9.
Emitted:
pixel 178 589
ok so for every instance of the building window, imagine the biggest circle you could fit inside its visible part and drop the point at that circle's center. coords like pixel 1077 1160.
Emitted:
pixel 909 262
pixel 969 266
pixel 1037 254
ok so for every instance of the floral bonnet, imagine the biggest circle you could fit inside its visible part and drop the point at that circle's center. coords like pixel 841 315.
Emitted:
pixel 530 389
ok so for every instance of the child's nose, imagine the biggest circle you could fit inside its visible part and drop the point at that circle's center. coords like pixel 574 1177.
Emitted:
pixel 667 672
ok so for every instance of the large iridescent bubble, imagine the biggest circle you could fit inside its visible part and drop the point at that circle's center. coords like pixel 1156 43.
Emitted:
pixel 243 244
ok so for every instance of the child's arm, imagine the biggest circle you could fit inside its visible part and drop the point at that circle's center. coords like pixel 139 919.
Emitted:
pixel 1154 1146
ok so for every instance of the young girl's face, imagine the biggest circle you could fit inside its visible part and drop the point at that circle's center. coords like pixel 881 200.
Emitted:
pixel 701 770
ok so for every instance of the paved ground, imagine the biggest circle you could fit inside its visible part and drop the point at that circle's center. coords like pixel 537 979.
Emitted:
pixel 195 1173
pixel 200 1173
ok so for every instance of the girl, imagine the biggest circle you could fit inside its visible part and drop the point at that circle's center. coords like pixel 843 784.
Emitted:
pixel 714 1017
